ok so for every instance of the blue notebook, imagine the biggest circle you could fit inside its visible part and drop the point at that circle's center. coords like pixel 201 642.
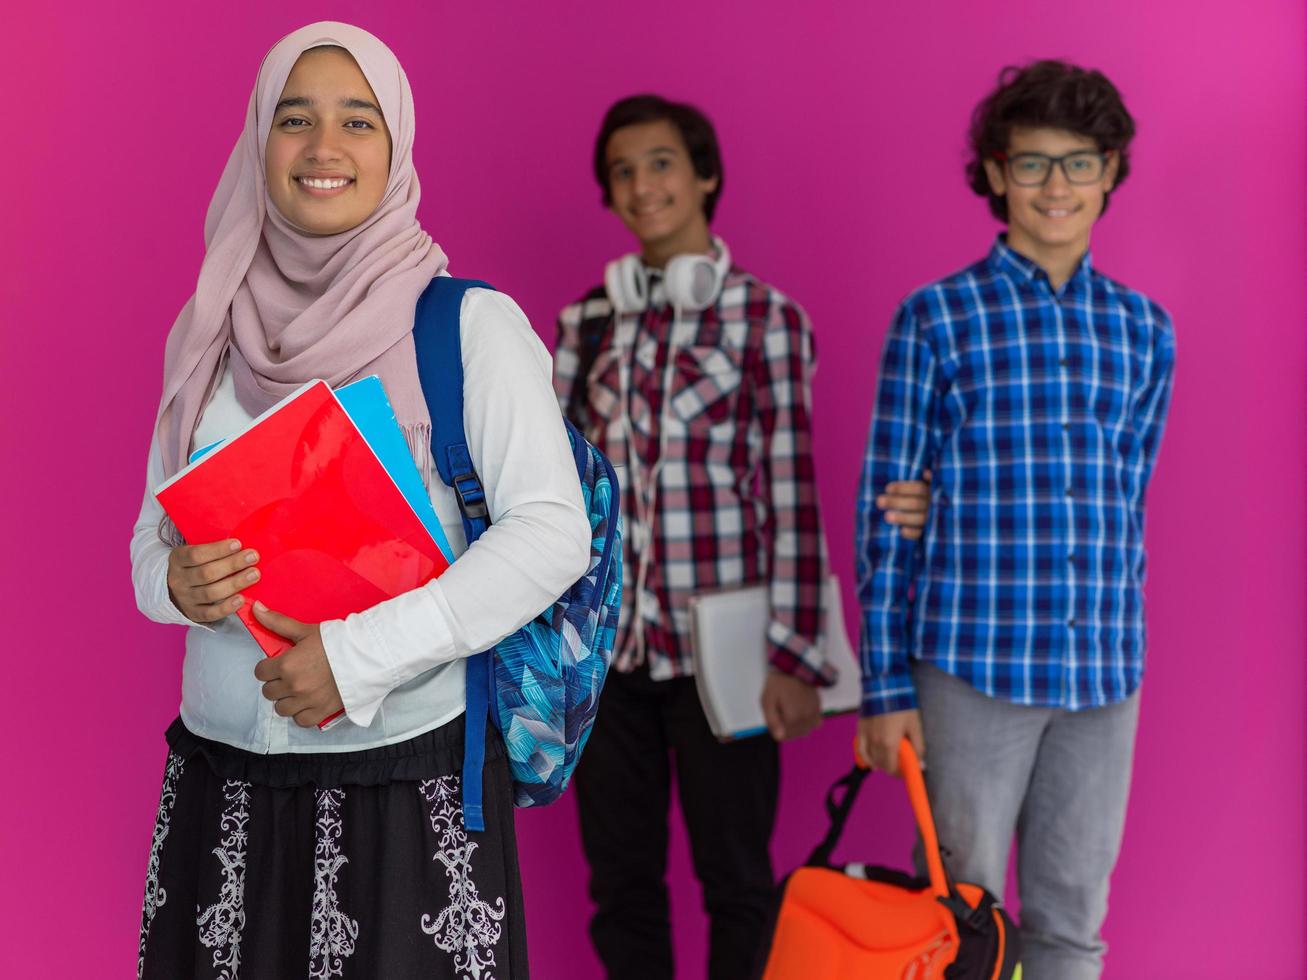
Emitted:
pixel 366 404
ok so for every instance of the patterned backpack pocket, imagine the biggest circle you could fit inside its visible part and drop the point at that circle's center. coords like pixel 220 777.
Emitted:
pixel 548 675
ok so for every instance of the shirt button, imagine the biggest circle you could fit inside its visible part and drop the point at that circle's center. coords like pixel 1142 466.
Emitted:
pixel 1066 426
pixel 1065 362
pixel 1070 492
pixel 1071 556
pixel 1071 622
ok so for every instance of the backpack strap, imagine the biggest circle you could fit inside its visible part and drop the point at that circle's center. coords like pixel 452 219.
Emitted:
pixel 436 335
pixel 590 335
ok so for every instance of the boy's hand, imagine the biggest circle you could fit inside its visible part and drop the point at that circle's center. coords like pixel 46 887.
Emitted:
pixel 906 504
pixel 790 706
pixel 879 737
pixel 299 680
pixel 204 580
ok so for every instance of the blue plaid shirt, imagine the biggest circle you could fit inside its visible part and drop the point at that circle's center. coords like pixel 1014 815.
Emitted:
pixel 1040 413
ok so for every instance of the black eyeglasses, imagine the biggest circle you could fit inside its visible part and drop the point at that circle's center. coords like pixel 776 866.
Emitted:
pixel 1034 169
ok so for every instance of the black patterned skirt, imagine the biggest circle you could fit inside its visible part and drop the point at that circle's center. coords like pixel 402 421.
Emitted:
pixel 331 865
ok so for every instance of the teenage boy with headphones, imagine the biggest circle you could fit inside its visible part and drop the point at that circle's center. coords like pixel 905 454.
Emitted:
pixel 1012 645
pixel 694 378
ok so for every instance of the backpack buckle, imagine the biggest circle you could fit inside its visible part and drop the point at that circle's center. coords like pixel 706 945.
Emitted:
pixel 471 497
pixel 976 919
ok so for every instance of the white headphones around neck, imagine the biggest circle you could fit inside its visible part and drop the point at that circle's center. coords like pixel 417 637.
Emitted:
pixel 691 282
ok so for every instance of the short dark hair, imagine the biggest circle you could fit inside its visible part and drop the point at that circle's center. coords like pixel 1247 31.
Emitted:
pixel 696 132
pixel 1055 95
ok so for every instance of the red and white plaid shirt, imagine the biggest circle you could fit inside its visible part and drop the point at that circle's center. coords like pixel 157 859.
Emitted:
pixel 736 501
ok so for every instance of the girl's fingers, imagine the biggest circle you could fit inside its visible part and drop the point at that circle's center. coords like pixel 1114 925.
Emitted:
pixel 901 500
pixel 225 567
pixel 288 707
pixel 201 554
pixel 220 591
pixel 291 629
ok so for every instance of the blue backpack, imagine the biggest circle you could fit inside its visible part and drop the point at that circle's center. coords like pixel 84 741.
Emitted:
pixel 540 686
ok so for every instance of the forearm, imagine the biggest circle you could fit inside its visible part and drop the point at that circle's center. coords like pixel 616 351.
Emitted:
pixel 797 571
pixel 782 389
pixel 886 564
pixel 899 446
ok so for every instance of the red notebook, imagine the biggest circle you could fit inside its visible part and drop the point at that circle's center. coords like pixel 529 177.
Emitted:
pixel 303 488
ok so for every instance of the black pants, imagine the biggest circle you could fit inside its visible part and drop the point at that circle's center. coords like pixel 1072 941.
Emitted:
pixel 728 794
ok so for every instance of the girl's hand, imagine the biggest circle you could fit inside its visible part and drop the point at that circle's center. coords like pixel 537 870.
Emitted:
pixel 299 680
pixel 204 580
pixel 906 503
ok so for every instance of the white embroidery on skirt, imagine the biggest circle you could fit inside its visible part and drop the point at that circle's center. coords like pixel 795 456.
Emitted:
pixel 223 922
pixel 468 927
pixel 331 932
pixel 154 895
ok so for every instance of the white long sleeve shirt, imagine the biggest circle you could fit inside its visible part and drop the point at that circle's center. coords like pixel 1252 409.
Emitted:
pixel 400 665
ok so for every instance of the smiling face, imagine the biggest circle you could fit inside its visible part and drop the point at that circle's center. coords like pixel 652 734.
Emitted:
pixel 1053 219
pixel 655 191
pixel 327 157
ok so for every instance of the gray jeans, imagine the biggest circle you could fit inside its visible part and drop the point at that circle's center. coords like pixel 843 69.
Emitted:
pixel 1059 780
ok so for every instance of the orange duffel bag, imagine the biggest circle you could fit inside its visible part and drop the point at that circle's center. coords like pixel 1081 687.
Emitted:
pixel 853 921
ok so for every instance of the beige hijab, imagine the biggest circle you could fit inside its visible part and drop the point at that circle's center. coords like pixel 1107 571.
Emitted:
pixel 285 307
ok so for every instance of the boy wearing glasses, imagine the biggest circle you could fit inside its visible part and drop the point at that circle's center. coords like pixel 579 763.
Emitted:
pixel 1008 644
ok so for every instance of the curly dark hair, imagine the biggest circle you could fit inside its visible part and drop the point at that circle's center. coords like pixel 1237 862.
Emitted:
pixel 1050 94
pixel 696 131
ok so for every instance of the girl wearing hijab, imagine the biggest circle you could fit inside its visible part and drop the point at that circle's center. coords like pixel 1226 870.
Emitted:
pixel 280 850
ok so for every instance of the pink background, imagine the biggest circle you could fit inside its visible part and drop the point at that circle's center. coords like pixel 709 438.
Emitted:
pixel 842 132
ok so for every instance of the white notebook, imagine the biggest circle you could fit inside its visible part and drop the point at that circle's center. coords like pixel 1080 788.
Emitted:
pixel 729 650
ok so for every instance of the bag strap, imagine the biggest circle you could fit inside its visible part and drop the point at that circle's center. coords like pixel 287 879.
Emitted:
pixel 941 883
pixel 590 336
pixel 437 338
pixel 910 770
pixel 838 808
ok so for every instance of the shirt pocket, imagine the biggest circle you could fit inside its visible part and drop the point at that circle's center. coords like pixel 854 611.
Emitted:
pixel 1108 398
pixel 706 385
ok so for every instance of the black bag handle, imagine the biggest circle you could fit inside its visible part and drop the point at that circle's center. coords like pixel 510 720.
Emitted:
pixel 838 808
